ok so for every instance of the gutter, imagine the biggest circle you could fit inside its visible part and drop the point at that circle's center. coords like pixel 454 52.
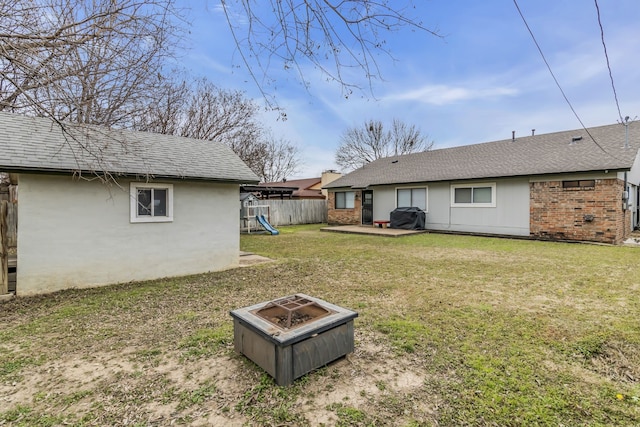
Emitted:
pixel 136 176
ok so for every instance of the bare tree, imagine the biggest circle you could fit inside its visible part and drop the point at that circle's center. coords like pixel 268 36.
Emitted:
pixel 334 36
pixel 281 161
pixel 84 61
pixel 360 145
pixel 204 111
pixel 165 114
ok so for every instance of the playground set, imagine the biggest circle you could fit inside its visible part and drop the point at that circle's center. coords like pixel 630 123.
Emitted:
pixel 255 217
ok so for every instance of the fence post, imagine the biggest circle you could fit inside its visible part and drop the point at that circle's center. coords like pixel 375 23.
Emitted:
pixel 4 249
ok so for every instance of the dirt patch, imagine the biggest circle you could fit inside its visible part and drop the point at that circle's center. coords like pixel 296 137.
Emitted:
pixel 164 389
pixel 131 386
pixel 360 381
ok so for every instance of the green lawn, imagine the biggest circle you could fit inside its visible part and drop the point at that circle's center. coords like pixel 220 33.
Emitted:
pixel 452 330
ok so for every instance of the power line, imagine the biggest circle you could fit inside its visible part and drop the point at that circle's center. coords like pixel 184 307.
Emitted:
pixel 515 2
pixel 606 55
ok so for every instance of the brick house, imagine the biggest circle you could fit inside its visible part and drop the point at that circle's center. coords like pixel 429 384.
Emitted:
pixel 574 185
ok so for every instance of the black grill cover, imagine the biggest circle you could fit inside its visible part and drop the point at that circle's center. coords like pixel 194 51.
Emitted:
pixel 407 218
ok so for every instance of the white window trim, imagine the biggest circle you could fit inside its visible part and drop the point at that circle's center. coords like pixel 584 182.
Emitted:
pixel 133 198
pixel 426 195
pixel 474 205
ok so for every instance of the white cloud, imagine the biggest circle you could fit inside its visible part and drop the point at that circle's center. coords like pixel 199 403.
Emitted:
pixel 445 94
pixel 208 64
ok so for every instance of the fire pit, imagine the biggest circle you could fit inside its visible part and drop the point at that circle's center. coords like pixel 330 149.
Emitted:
pixel 291 312
pixel 291 336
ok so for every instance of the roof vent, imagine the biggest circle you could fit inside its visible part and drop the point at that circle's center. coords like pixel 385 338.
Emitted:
pixel 394 161
pixel 575 139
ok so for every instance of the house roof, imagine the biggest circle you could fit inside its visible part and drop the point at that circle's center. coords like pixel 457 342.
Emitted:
pixel 552 153
pixel 303 187
pixel 39 145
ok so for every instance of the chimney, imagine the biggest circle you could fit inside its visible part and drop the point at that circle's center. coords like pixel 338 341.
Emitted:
pixel 513 136
pixel 533 132
pixel 328 176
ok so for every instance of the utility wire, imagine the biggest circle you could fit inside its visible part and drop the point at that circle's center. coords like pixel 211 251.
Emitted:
pixel 606 55
pixel 515 2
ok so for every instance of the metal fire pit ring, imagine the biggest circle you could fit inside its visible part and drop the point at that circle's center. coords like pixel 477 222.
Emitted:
pixel 292 312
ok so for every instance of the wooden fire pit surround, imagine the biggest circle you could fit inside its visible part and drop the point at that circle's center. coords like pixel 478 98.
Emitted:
pixel 291 336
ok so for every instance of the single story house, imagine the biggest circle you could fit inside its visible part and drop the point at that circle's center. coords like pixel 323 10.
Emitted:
pixel 168 208
pixel 577 185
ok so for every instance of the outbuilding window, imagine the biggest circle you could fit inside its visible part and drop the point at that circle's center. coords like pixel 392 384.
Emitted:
pixel 151 202
pixel 476 195
pixel 345 199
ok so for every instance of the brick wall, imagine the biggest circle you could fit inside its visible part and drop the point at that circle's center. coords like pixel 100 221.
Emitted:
pixel 344 216
pixel 558 213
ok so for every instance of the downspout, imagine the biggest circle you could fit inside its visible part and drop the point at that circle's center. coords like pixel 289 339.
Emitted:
pixel 625 204
pixel 625 193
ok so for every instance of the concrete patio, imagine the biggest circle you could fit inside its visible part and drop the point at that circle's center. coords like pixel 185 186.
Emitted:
pixel 370 230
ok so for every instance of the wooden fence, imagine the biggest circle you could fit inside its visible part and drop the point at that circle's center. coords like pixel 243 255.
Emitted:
pixel 4 249
pixel 299 211
pixel 11 217
pixel 12 224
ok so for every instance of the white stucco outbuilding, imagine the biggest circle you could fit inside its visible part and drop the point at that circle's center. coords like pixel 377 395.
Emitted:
pixel 169 208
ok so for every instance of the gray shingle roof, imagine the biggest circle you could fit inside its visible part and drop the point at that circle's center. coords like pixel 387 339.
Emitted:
pixel 526 156
pixel 40 145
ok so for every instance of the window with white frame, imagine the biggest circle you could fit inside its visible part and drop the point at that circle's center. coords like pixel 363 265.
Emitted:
pixel 151 202
pixel 474 195
pixel 345 199
pixel 411 197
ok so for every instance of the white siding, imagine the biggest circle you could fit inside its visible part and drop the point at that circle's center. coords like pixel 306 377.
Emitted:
pixel 77 233
pixel 510 216
pixel 634 174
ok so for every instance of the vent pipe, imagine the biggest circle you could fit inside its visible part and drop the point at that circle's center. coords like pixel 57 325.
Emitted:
pixel 513 136
pixel 626 136
pixel 533 132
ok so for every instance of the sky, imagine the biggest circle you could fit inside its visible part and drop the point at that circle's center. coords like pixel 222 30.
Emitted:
pixel 479 82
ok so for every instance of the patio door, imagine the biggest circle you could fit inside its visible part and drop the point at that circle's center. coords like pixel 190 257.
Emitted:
pixel 367 207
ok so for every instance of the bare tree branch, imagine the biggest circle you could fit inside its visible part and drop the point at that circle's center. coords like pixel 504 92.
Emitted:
pixel 361 145
pixel 84 62
pixel 282 160
pixel 334 36
pixel 204 111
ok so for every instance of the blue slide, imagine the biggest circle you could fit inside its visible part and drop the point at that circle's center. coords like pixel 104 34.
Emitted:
pixel 265 224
